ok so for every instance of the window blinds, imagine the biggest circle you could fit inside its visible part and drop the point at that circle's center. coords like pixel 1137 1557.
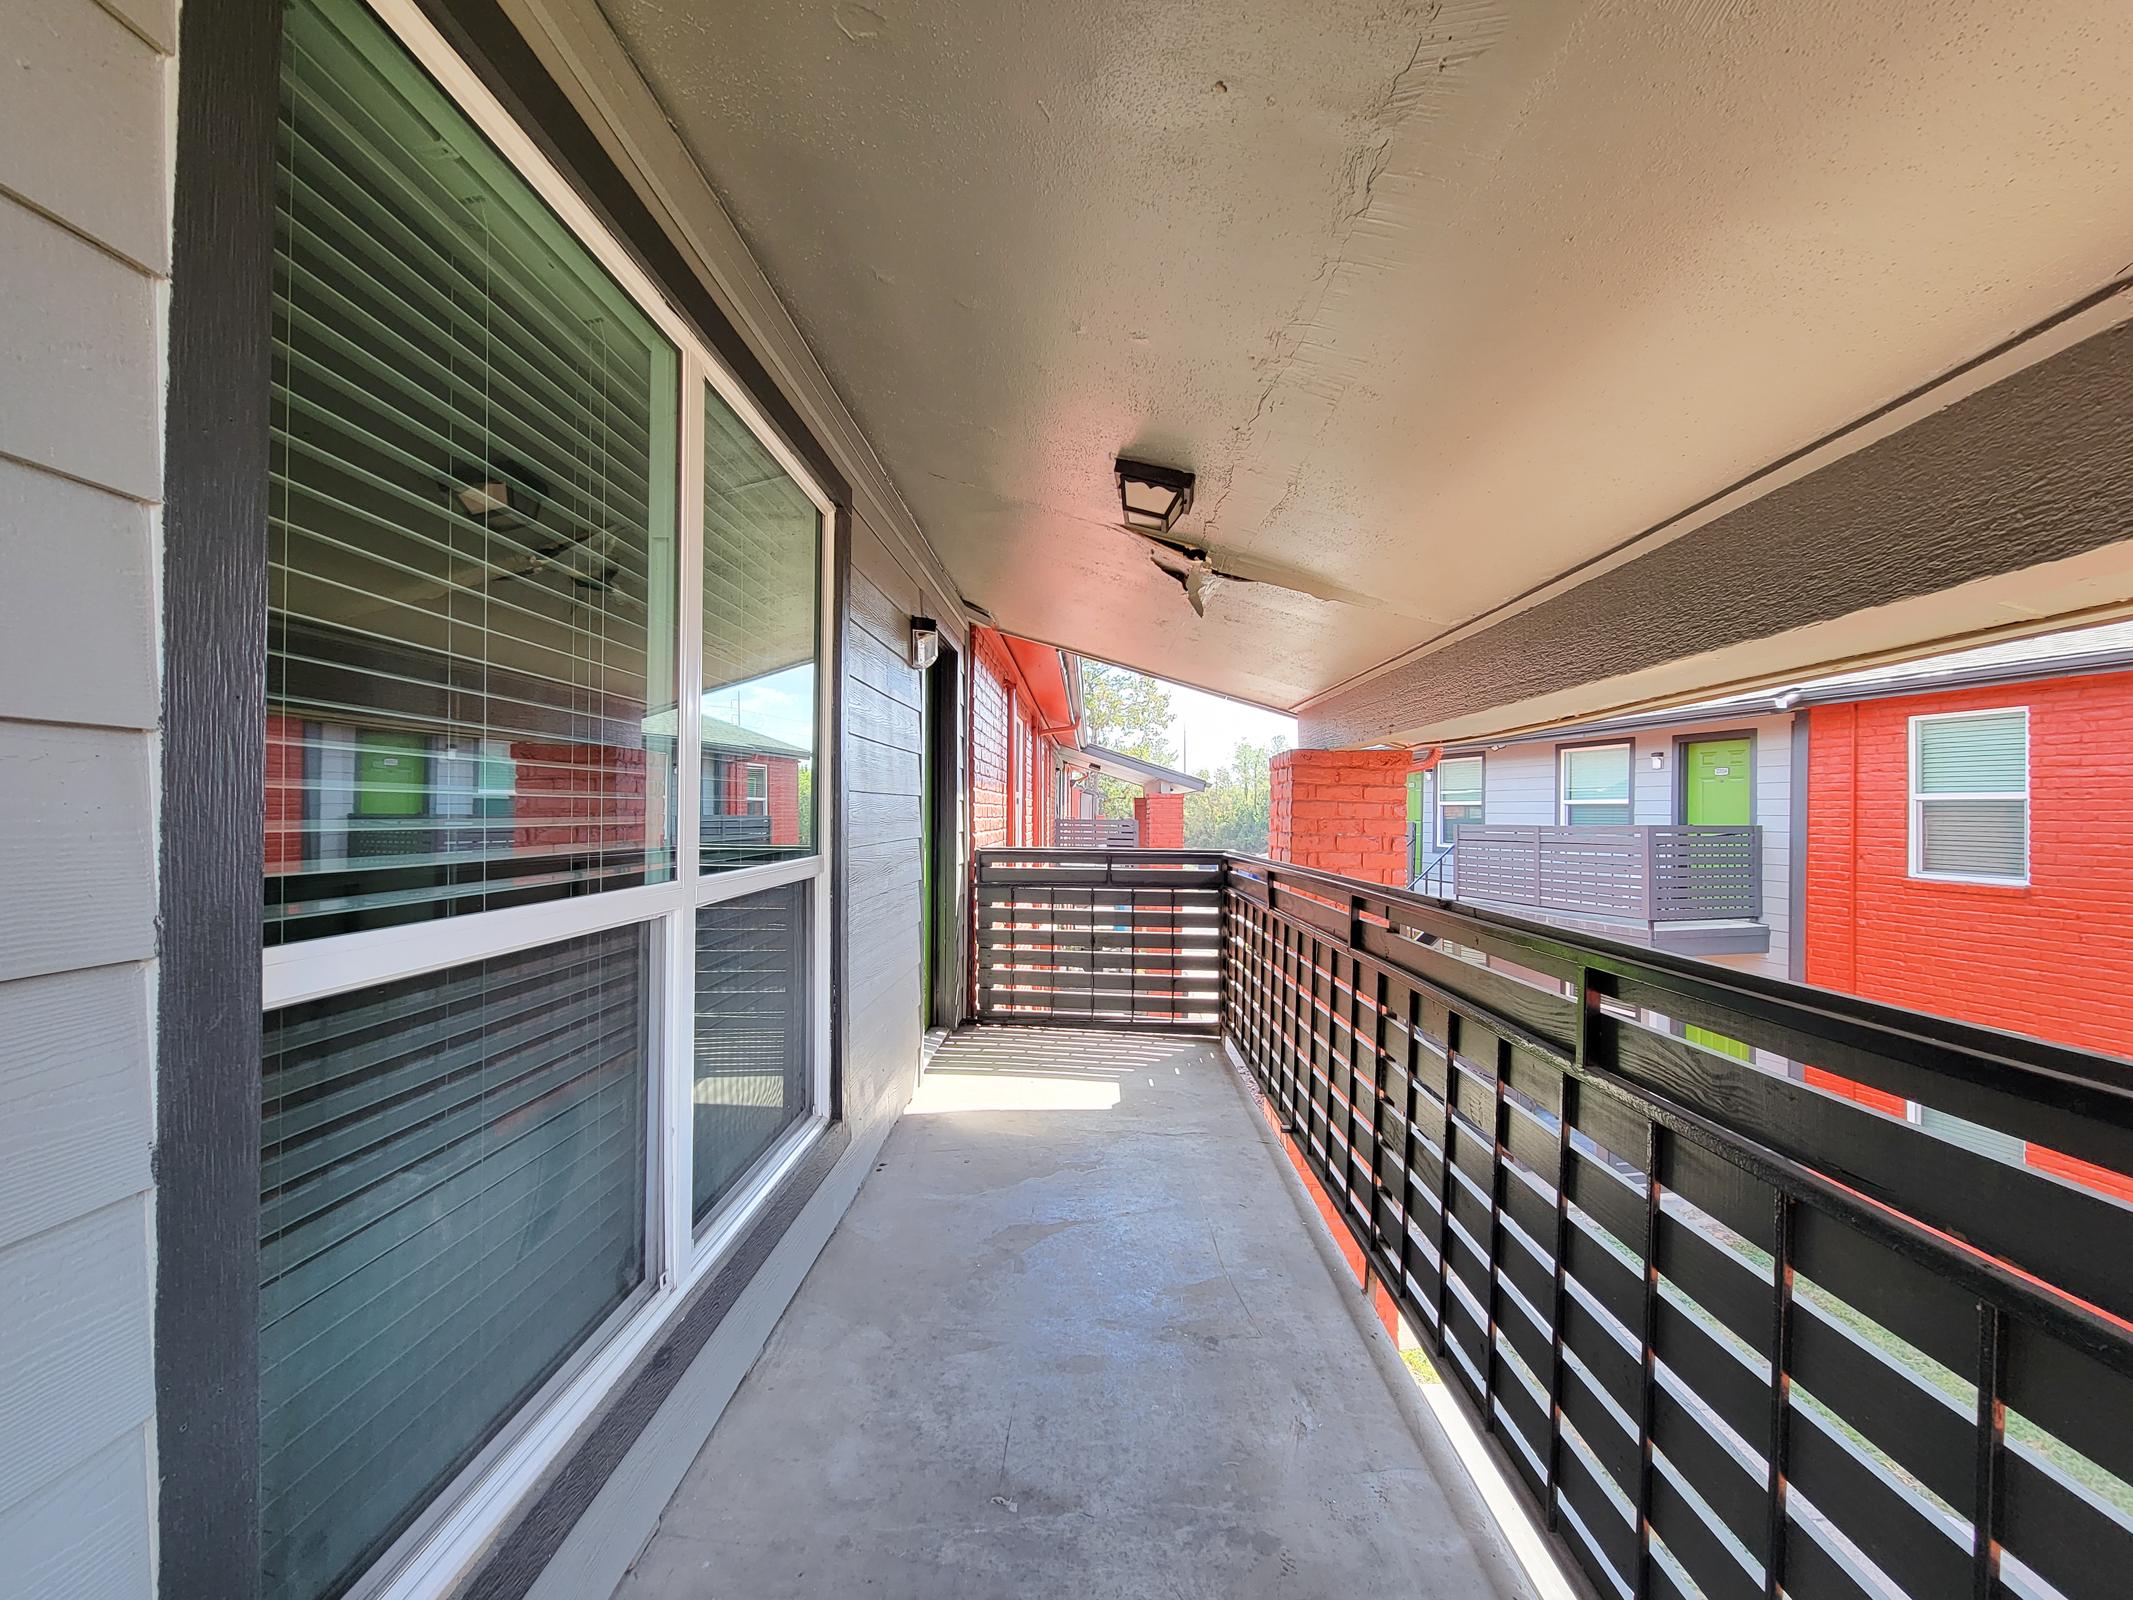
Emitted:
pixel 1971 783
pixel 752 1035
pixel 452 1194
pixel 472 550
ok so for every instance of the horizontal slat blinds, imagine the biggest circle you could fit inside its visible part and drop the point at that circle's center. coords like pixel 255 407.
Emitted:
pixel 452 1200
pixel 1971 781
pixel 761 584
pixel 1974 838
pixel 1973 755
pixel 752 1040
pixel 472 542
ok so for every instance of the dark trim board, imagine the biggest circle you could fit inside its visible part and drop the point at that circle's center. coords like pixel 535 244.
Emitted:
pixel 520 1554
pixel 213 822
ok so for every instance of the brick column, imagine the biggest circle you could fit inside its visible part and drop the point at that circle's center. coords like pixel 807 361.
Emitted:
pixel 1341 811
pixel 1162 821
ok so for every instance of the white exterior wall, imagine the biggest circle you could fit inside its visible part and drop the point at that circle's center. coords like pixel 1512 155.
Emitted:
pixel 84 251
pixel 1519 788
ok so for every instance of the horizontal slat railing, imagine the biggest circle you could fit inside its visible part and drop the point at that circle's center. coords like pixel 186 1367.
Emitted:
pixel 1099 937
pixel 1737 1322
pixel 1736 1335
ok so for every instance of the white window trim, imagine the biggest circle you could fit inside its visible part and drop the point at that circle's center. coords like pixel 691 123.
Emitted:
pixel 1563 804
pixel 753 771
pixel 1914 818
pixel 1436 798
pixel 442 1545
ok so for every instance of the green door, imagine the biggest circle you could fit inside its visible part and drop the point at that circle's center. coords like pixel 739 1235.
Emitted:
pixel 1716 771
pixel 392 774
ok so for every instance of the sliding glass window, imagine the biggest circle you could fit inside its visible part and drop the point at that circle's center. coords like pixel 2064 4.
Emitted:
pixel 546 968
pixel 470 681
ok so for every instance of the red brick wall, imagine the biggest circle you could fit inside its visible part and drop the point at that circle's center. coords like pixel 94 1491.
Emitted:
pixel 784 778
pixel 2054 958
pixel 1162 821
pixel 285 792
pixel 574 794
pixel 1341 811
pixel 989 748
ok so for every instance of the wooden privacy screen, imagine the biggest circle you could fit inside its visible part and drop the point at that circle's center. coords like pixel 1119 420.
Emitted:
pixel 1736 1336
pixel 1111 937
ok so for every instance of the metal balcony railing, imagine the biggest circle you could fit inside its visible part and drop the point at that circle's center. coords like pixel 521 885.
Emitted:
pixel 1647 874
pixel 1735 1335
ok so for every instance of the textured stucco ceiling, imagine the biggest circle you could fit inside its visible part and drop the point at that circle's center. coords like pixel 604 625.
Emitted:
pixel 1439 300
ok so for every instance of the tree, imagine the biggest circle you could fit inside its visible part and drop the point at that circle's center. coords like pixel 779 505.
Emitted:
pixel 1128 712
pixel 1232 812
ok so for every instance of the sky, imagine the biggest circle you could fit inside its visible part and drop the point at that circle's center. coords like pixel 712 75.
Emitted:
pixel 1205 728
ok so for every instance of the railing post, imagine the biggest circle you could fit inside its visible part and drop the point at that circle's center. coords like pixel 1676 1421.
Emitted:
pixel 1648 1410
pixel 1558 1366
pixel 1780 1392
pixel 1991 1425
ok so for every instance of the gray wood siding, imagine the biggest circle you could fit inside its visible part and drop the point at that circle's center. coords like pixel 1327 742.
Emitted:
pixel 84 244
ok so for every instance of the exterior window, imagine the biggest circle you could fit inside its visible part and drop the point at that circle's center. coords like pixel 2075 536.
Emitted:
pixel 452 1201
pixel 472 520
pixel 1459 796
pixel 752 1032
pixel 481 644
pixel 1970 796
pixel 762 609
pixel 1595 786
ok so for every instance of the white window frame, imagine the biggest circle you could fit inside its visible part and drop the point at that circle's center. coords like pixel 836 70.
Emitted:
pixel 1564 814
pixel 1436 797
pixel 1914 819
pixel 441 1546
pixel 756 772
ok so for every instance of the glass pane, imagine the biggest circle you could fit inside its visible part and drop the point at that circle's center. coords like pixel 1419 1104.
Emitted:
pixel 1598 773
pixel 1459 780
pixel 452 1194
pixel 1596 814
pixel 472 542
pixel 1973 755
pixel 1974 838
pixel 751 1033
pixel 762 550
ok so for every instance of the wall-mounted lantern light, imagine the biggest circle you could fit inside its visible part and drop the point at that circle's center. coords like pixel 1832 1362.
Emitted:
pixel 1658 760
pixel 925 642
pixel 1152 498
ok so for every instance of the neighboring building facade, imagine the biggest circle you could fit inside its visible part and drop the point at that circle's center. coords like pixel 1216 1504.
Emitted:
pixel 1025 708
pixel 1591 826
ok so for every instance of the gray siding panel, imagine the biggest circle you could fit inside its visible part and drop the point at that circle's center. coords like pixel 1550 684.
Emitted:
pixel 77 628
pixel 77 848
pixel 80 363
pixel 78 1537
pixel 81 126
pixel 74 1096
pixel 84 243
pixel 74 1354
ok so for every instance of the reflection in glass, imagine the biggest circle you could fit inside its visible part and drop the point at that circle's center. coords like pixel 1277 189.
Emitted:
pixel 472 538
pixel 752 1033
pixel 452 1182
pixel 762 585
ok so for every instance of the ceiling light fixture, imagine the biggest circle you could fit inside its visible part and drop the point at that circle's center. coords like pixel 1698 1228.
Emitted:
pixel 1152 498
pixel 500 495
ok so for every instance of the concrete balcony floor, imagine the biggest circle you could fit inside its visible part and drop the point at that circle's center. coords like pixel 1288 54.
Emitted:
pixel 1081 1335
